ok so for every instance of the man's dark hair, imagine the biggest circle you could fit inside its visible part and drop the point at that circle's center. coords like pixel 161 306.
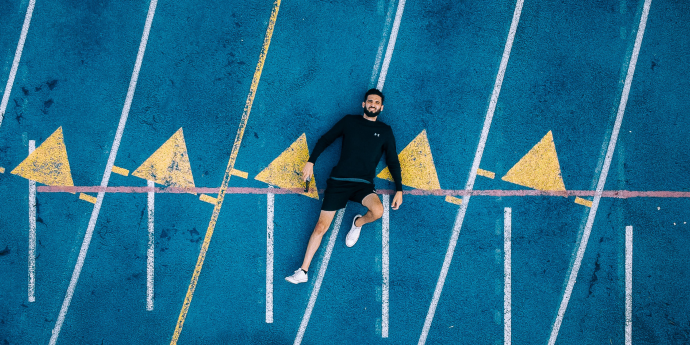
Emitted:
pixel 374 92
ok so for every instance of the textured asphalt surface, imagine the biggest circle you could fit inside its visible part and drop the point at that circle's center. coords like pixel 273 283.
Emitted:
pixel 565 75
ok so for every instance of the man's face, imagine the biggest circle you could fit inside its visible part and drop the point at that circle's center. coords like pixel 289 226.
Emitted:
pixel 372 106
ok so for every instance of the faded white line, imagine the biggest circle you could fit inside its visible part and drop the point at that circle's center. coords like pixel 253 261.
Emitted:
pixel 32 232
pixel 17 57
pixel 628 283
pixel 507 276
pixel 385 221
pixel 602 177
pixel 150 268
pixel 391 45
pixel 270 199
pixel 319 279
pixel 473 172
pixel 379 7
pixel 106 175
pixel 379 53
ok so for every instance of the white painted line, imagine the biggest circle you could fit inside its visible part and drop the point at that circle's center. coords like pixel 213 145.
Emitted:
pixel 507 276
pixel 602 177
pixel 391 45
pixel 17 57
pixel 270 200
pixel 379 53
pixel 628 283
pixel 319 279
pixel 459 218
pixel 150 268
pixel 386 200
pixel 106 175
pixel 32 232
pixel 385 270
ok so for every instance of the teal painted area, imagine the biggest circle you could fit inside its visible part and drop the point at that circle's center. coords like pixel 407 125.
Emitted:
pixel 565 75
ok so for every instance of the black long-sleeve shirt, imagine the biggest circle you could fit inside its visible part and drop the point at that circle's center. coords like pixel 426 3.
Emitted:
pixel 364 142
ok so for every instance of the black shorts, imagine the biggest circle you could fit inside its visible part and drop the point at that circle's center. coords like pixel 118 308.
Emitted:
pixel 339 192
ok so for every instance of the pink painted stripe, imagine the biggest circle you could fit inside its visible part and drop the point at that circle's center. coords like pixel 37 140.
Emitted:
pixel 621 194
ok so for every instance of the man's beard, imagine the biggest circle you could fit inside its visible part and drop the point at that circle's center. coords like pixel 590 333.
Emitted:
pixel 371 114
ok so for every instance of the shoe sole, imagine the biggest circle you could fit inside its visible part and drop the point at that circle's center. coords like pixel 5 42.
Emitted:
pixel 294 281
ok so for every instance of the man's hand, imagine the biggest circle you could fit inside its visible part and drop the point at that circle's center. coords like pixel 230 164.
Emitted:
pixel 397 200
pixel 307 171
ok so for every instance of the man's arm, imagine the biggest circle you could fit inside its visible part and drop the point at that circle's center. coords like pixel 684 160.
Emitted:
pixel 321 145
pixel 394 167
pixel 393 162
pixel 327 139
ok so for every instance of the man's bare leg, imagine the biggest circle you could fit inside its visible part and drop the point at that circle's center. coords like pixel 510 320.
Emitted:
pixel 325 219
pixel 375 211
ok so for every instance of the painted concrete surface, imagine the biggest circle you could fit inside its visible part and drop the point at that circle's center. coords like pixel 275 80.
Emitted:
pixel 560 97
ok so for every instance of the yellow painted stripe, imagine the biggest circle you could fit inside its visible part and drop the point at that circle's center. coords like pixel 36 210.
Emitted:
pixel 120 171
pixel 583 202
pixel 2 170
pixel 241 174
pixel 208 199
pixel 87 197
pixel 486 173
pixel 228 173
pixel 453 200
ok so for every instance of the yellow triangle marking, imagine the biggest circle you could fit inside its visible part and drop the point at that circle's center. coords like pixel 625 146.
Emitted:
pixel 286 170
pixel 48 164
pixel 539 168
pixel 417 164
pixel 169 165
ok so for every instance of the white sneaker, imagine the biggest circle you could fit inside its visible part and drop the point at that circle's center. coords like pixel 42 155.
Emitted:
pixel 298 277
pixel 353 234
